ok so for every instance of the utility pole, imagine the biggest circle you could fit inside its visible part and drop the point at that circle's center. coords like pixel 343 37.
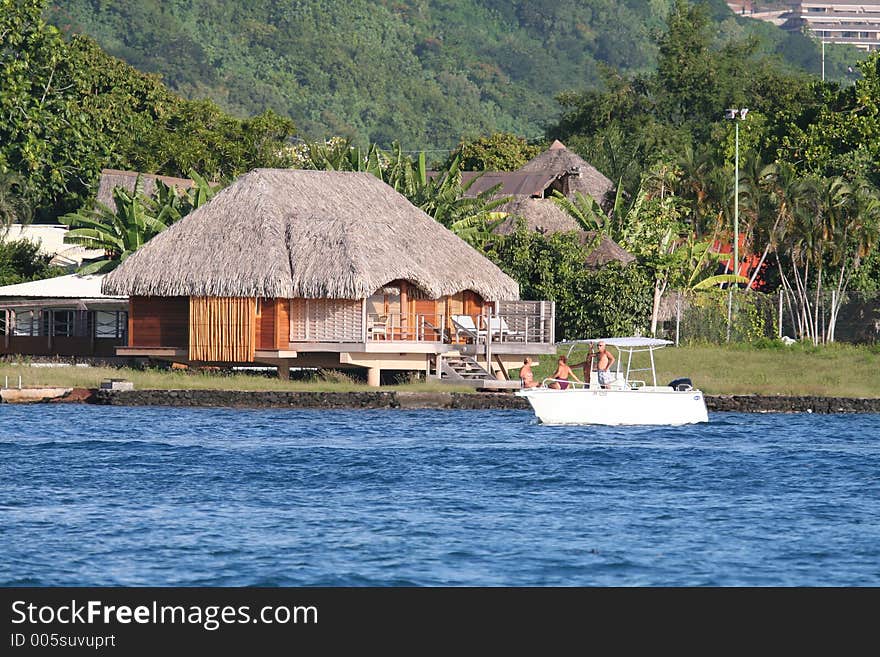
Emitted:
pixel 736 115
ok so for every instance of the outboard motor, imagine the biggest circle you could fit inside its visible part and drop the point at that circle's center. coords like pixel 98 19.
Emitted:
pixel 682 385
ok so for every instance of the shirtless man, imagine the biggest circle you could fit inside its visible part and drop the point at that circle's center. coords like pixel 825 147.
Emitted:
pixel 605 359
pixel 526 375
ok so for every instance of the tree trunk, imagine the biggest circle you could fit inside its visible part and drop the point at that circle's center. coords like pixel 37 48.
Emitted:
pixel 659 288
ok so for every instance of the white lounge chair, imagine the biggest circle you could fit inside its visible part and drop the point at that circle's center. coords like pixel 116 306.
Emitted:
pixel 464 326
pixel 501 331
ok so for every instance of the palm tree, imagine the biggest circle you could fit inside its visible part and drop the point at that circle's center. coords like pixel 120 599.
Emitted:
pixel 117 233
pixel 856 236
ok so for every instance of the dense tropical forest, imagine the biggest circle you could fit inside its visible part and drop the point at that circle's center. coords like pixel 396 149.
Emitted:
pixel 653 122
pixel 421 72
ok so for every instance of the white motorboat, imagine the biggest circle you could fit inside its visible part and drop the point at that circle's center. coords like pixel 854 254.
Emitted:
pixel 625 399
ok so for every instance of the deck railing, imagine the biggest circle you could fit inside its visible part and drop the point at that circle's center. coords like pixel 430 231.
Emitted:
pixel 406 327
pixel 527 322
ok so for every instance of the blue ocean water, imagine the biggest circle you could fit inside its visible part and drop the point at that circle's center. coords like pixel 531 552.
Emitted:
pixel 161 496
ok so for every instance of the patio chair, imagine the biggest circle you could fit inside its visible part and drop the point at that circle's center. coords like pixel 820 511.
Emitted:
pixel 499 330
pixel 464 326
pixel 378 328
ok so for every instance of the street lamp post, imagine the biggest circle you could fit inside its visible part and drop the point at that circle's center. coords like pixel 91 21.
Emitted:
pixel 736 115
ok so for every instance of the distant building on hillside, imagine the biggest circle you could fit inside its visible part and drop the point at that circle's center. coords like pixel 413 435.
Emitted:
pixel 855 23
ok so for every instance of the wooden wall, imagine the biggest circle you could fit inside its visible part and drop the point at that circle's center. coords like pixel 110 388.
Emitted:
pixel 158 322
pixel 58 346
pixel 273 324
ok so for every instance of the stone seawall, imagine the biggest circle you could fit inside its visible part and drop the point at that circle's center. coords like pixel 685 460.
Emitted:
pixel 284 399
pixel 781 404
pixel 447 400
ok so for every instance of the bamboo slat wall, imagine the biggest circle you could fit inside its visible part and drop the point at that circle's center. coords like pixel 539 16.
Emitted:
pixel 222 329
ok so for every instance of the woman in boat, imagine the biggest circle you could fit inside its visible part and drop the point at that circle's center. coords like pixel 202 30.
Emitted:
pixel 562 374
pixel 526 376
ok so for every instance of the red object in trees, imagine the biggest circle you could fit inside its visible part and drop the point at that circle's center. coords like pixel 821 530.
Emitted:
pixel 747 264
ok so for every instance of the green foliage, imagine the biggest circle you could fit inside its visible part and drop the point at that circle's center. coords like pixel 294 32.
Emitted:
pixel 423 72
pixel 69 110
pixel 135 220
pixel 754 317
pixel 611 301
pixel 14 204
pixel 118 233
pixel 636 121
pixel 501 151
pixel 21 261
pixel 844 139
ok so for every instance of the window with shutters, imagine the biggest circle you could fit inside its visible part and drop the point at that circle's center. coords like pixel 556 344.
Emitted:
pixel 326 320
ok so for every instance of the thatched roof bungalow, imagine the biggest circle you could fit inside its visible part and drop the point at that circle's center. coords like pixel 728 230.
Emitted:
pixel 306 268
pixel 531 189
pixel 575 173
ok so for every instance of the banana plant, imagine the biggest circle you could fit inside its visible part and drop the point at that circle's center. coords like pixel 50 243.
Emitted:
pixel 117 233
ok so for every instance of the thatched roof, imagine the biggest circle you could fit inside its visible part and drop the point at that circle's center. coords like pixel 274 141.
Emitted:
pixel 544 216
pixel 558 160
pixel 289 233
pixel 513 183
pixel 541 214
pixel 607 250
pixel 111 178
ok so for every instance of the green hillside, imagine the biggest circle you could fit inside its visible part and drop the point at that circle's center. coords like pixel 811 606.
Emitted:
pixel 424 72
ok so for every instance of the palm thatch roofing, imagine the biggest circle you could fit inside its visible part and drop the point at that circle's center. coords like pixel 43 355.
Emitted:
pixel 559 160
pixel 513 183
pixel 112 178
pixel 540 214
pixel 286 233
pixel 544 216
pixel 604 252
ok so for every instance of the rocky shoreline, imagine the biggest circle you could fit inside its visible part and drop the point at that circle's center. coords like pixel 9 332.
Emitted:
pixel 413 400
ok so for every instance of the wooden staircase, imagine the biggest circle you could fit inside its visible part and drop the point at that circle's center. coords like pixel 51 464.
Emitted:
pixel 463 368
pixel 459 369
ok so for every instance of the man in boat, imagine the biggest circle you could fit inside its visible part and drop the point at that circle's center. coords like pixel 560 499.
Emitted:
pixel 605 359
pixel 526 375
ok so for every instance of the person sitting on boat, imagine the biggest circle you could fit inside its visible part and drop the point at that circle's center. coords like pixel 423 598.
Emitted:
pixel 526 375
pixel 561 375
pixel 605 359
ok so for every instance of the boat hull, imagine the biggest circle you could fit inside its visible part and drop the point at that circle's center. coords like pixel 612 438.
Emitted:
pixel 617 407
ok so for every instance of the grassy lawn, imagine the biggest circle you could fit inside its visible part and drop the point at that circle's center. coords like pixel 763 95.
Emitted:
pixel 836 370
pixel 154 379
